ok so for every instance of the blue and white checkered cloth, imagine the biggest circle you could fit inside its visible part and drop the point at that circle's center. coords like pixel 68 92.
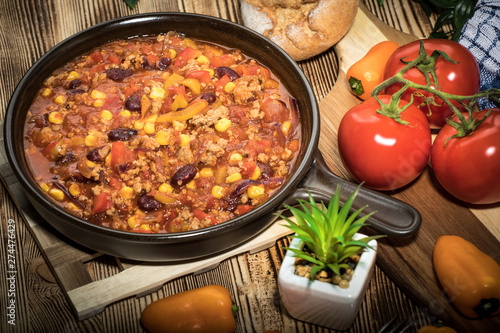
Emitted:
pixel 481 35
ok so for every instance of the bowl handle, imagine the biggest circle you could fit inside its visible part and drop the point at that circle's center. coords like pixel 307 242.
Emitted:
pixel 393 217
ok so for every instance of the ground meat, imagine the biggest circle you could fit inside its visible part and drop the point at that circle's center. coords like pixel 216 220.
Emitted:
pixel 245 88
pixel 210 118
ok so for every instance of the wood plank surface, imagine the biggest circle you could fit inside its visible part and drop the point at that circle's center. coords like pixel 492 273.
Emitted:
pixel 28 28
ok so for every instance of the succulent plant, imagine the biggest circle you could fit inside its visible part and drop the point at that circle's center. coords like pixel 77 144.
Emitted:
pixel 328 232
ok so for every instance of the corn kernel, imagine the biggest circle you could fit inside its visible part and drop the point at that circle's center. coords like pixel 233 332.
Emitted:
pixel 157 92
pixel 96 94
pixel 125 113
pixel 165 188
pixel 235 158
pixel 202 60
pixel 149 127
pixel 56 194
pixel 127 192
pixel 285 127
pixel 90 140
pixel 229 87
pixel 55 117
pixel 255 191
pixel 256 173
pixel 211 71
pixel 44 187
pixel 60 99
pixel 162 137
pixel 72 207
pixel 139 124
pixel 74 189
pixel 91 164
pixel 185 139
pixel 73 75
pixel 98 103
pixel 223 124
pixel 206 172
pixel 133 222
pixel 145 227
pixel 46 92
pixel 191 185
pixel 172 53
pixel 106 115
pixel 218 191
pixel 233 177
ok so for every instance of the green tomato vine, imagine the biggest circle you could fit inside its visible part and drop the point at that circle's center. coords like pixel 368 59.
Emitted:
pixel 427 65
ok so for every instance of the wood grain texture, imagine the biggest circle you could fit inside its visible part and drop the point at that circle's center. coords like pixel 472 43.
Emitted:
pixel 28 28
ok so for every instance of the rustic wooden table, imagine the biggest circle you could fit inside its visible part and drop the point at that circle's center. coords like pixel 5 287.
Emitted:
pixel 403 283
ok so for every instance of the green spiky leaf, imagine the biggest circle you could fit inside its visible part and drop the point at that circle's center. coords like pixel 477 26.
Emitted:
pixel 328 231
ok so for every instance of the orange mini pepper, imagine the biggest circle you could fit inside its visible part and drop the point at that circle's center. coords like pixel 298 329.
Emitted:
pixel 368 72
pixel 207 309
pixel 437 327
pixel 469 277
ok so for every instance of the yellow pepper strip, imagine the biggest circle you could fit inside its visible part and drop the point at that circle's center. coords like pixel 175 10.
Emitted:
pixel 145 105
pixel 179 102
pixel 164 198
pixel 173 79
pixel 189 112
pixel 192 84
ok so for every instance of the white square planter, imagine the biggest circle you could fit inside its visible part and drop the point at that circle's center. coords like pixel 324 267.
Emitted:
pixel 323 303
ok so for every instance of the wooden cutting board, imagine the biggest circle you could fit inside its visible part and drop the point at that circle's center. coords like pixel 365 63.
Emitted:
pixel 409 261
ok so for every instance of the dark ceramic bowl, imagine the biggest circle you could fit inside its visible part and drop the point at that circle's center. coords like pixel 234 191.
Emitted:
pixel 394 218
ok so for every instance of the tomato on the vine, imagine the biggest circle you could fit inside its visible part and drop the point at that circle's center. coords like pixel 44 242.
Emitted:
pixel 460 78
pixel 383 153
pixel 469 167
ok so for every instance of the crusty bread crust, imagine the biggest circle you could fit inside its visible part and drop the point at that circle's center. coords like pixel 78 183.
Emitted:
pixel 303 28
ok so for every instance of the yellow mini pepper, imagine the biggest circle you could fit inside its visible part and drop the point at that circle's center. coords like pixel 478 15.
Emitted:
pixel 207 309
pixel 470 278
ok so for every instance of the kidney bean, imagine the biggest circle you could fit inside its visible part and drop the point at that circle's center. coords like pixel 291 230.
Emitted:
pixel 184 175
pixel 148 203
pixel 118 74
pixel 74 83
pixel 98 155
pixel 241 187
pixel 133 103
pixel 164 63
pixel 68 158
pixel 40 121
pixel 209 97
pixel 121 134
pixel 221 71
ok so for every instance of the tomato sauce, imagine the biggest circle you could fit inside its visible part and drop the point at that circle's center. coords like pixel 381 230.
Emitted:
pixel 161 134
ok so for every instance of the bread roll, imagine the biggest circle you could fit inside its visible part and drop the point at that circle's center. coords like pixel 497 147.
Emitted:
pixel 303 28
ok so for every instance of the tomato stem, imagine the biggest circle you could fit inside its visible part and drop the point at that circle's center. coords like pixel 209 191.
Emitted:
pixel 427 65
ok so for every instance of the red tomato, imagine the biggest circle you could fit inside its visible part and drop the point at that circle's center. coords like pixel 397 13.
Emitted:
pixel 121 156
pixel 458 79
pixel 468 167
pixel 374 148
pixel 101 203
